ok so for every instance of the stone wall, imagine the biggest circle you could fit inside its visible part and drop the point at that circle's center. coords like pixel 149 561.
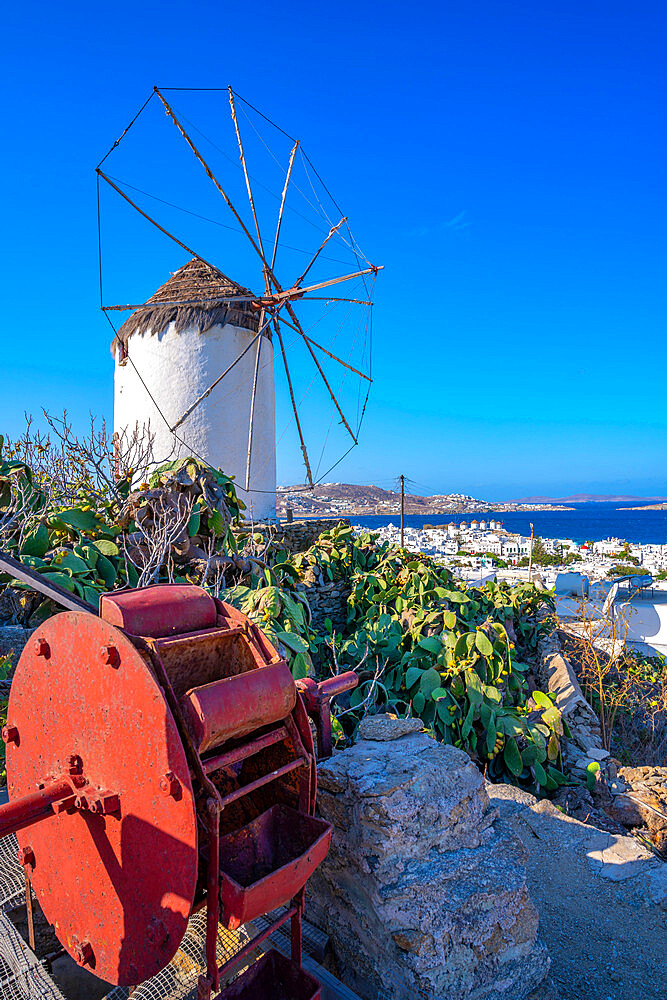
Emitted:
pixel 420 895
pixel 298 536
pixel 558 675
pixel 327 600
pixel 12 640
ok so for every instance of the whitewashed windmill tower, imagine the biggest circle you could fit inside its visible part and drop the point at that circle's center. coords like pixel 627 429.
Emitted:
pixel 194 362
pixel 178 351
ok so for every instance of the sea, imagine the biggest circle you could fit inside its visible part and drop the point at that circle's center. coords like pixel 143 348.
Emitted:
pixel 586 522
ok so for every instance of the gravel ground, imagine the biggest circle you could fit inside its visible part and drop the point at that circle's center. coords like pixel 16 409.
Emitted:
pixel 602 902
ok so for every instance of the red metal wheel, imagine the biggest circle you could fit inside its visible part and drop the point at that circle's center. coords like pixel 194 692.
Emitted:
pixel 118 886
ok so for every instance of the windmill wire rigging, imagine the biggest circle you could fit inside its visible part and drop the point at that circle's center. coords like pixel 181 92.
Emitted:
pixel 331 419
pixel 99 240
pixel 206 218
pixel 353 245
pixel 322 207
pixel 255 180
pixel 321 213
pixel 126 130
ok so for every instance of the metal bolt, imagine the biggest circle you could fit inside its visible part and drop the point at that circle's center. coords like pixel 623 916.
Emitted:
pixel 96 806
pixel 41 647
pixel 27 857
pixel 169 784
pixel 74 764
pixel 109 655
pixel 82 952
pixel 110 803
pixel 10 734
pixel 156 932
pixel 80 802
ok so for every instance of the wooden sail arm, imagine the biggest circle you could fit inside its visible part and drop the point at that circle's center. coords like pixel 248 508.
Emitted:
pixel 193 253
pixel 209 172
pixel 319 250
pixel 295 320
pixel 245 169
pixel 282 203
pixel 294 293
pixel 304 451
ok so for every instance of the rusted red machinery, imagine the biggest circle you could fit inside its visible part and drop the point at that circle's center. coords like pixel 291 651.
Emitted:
pixel 160 760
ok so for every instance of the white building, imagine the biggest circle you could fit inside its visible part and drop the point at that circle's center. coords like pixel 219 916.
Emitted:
pixel 169 355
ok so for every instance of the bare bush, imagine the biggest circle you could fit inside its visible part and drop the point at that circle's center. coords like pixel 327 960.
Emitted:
pixel 161 525
pixel 627 689
pixel 67 465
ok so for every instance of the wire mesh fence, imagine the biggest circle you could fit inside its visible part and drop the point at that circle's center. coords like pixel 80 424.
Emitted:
pixel 24 977
pixel 12 878
pixel 178 981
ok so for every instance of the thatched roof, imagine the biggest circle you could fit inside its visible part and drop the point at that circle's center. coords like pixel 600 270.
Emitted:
pixel 202 286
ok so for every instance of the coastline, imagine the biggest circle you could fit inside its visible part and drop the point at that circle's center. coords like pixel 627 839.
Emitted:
pixel 651 506
pixel 586 522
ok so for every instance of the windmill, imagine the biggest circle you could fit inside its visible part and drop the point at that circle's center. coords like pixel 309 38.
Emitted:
pixel 195 359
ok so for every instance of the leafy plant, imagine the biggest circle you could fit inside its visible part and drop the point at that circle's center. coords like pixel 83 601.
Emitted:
pixel 448 654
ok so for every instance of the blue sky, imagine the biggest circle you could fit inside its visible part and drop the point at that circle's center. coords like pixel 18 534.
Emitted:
pixel 505 162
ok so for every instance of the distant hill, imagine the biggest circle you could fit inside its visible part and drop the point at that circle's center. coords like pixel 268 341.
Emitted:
pixel 589 498
pixel 335 499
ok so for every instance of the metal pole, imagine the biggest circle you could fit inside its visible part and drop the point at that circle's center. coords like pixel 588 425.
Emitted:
pixel 29 910
pixel 530 558
pixel 402 478
pixel 29 809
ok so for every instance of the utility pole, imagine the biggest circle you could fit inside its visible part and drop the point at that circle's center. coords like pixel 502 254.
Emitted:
pixel 402 478
pixel 530 558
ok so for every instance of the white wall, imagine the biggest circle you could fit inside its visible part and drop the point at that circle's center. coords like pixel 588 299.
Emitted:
pixel 177 367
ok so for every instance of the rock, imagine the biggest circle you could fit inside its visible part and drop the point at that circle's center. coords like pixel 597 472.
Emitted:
pixel 597 753
pixel 509 799
pixel 583 763
pixel 636 774
pixel 387 727
pixel 643 809
pixel 562 682
pixel 586 743
pixel 626 810
pixel 616 857
pixel 612 768
pixel 575 801
pixel 657 886
pixel 420 894
pixel 643 802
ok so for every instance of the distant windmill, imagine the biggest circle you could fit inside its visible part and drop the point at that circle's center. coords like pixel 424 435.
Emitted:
pixel 201 328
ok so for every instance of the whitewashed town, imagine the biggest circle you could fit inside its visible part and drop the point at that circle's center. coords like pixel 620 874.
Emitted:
pixel 485 547
pixel 612 580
